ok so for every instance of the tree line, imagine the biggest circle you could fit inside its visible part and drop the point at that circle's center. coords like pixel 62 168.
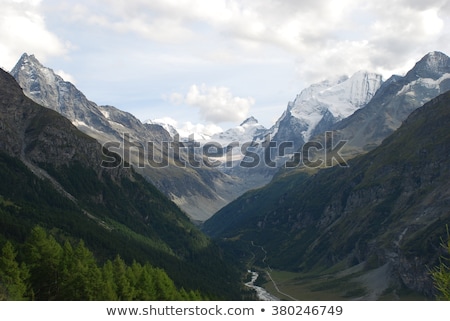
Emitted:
pixel 42 268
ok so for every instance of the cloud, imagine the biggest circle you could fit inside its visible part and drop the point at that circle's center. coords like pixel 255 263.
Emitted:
pixel 320 36
pixel 186 129
pixel 201 131
pixel 215 104
pixel 66 76
pixel 23 29
pixel 240 44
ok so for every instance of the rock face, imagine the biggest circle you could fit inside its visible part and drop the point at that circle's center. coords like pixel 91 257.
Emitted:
pixel 319 106
pixel 393 103
pixel 198 191
pixel 31 139
pixel 389 208
pixel 50 175
pixel 315 110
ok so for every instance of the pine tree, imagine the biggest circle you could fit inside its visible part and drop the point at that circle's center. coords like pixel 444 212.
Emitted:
pixel 146 285
pixel 165 288
pixel 44 255
pixel 13 276
pixel 109 291
pixel 124 287
pixel 80 275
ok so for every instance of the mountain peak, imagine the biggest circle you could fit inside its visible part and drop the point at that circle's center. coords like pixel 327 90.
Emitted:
pixel 432 65
pixel 327 102
pixel 26 60
pixel 249 121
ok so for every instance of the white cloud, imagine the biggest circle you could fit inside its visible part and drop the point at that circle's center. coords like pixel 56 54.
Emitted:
pixel 66 76
pixel 166 120
pixel 215 104
pixel 199 131
pixel 269 49
pixel 23 29
pixel 322 36
pixel 186 129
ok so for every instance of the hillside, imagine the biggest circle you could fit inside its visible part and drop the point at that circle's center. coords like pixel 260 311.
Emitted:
pixel 386 212
pixel 198 191
pixel 51 176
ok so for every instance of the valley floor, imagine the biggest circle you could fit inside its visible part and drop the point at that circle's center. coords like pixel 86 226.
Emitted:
pixel 351 284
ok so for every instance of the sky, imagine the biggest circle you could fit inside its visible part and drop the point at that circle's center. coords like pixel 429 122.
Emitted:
pixel 209 64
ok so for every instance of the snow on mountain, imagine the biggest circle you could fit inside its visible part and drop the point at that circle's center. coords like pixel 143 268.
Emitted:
pixel 245 132
pixel 433 65
pixel 187 131
pixel 206 133
pixel 428 83
pixel 431 75
pixel 340 97
pixel 396 99
pixel 167 124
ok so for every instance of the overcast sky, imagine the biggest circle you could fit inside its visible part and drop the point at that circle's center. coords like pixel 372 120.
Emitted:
pixel 216 62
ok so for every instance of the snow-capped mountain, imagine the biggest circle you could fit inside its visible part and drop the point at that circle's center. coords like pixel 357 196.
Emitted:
pixel 393 103
pixel 48 89
pixel 245 132
pixel 361 109
pixel 168 127
pixel 320 105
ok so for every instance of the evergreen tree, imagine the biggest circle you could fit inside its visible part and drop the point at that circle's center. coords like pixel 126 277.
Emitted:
pixel 55 272
pixel 80 275
pixel 165 288
pixel 146 285
pixel 44 256
pixel 123 284
pixel 13 276
pixel 109 292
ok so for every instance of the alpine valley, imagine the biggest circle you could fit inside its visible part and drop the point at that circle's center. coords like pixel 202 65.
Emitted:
pixel 360 216
pixel 368 229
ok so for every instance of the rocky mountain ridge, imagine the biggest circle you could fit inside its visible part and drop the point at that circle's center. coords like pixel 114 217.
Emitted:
pixel 50 176
pixel 393 103
pixel 198 191
pixel 361 110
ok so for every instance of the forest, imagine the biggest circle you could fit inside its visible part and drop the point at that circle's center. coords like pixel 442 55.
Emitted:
pixel 42 268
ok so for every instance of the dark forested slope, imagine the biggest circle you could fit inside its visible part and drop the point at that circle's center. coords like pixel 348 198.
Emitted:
pixel 51 176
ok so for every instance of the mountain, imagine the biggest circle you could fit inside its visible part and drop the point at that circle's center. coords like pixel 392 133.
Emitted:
pixel 378 222
pixel 233 140
pixel 313 111
pixel 353 114
pixel 319 106
pixel 51 176
pixel 393 103
pixel 245 132
pixel 168 127
pixel 199 191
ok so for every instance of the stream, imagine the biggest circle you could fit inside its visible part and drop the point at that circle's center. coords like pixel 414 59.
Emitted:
pixel 262 294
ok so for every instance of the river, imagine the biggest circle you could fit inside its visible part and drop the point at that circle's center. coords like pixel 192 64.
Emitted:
pixel 262 294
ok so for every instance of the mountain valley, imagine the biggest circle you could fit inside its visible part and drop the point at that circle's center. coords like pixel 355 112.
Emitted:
pixel 366 224
pixel 386 212
pixel 51 178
